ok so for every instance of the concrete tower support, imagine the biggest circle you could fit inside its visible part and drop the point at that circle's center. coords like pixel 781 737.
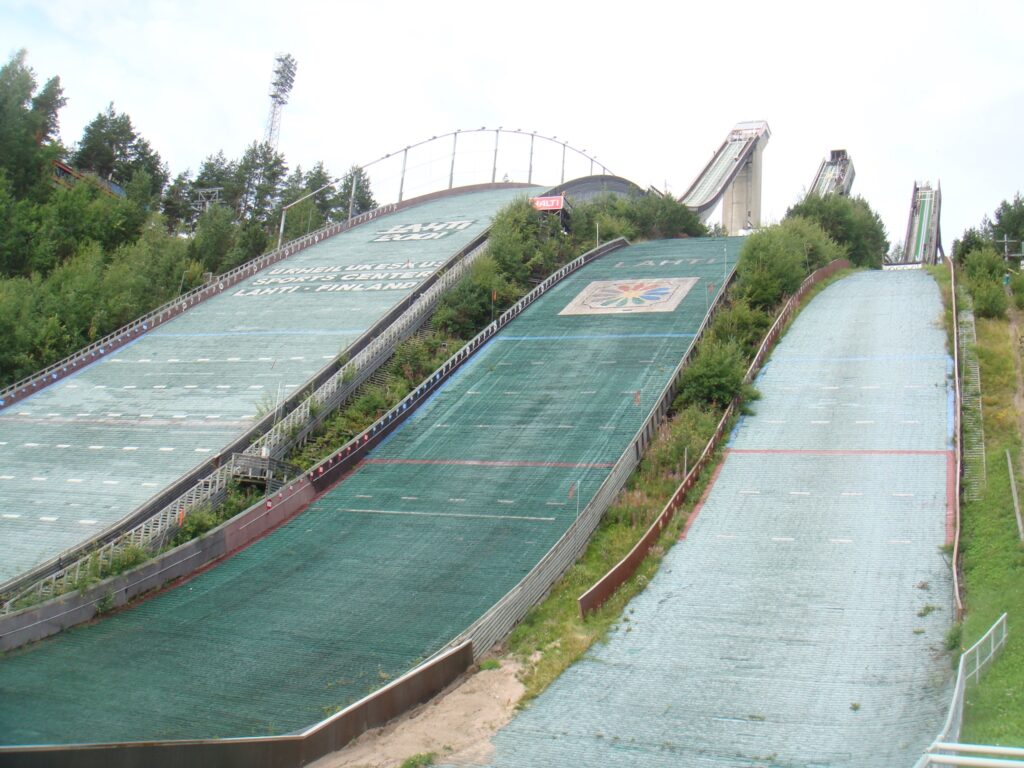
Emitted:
pixel 741 203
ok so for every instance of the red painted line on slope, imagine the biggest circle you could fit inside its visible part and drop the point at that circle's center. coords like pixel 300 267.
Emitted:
pixel 703 497
pixel 483 463
pixel 950 496
pixel 834 452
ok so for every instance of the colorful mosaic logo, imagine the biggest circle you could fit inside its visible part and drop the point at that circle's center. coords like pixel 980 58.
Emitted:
pixel 628 296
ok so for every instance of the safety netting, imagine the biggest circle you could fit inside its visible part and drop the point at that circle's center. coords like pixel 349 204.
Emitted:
pixel 802 620
pixel 86 451
pixel 428 533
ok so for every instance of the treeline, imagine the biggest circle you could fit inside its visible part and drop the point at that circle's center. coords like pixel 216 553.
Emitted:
pixel 81 257
pixel 981 254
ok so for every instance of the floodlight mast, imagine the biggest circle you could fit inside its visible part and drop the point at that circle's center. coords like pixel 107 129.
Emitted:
pixel 280 88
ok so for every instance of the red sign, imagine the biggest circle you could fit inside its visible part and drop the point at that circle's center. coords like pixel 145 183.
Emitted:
pixel 554 203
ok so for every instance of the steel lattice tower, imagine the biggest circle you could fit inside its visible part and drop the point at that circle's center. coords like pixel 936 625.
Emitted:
pixel 280 88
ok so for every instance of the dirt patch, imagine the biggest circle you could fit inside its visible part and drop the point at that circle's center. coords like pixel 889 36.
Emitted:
pixel 457 725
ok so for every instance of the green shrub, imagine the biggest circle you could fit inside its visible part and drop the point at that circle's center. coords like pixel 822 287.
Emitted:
pixel 989 298
pixel 741 323
pixel 984 263
pixel 715 376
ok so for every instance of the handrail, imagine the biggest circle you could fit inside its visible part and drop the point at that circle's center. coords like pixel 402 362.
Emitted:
pixel 172 308
pixel 329 469
pixel 994 639
pixel 622 571
pixel 154 517
pixel 958 429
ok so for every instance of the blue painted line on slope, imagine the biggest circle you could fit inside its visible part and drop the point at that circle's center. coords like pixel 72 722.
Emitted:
pixel 735 430
pixel 297 332
pixel 421 409
pixel 598 336
pixel 56 384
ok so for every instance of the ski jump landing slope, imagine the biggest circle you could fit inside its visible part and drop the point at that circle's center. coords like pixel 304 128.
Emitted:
pixel 85 452
pixel 801 621
pixel 430 531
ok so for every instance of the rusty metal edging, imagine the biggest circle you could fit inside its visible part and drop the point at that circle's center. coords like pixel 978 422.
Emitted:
pixel 622 571
pixel 289 751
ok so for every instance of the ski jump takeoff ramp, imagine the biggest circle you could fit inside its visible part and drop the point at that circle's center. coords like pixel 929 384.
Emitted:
pixel 82 454
pixel 801 621
pixel 427 533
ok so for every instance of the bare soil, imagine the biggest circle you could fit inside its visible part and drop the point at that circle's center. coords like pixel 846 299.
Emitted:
pixel 456 726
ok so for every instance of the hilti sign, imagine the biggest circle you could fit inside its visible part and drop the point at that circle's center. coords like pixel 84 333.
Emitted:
pixel 548 203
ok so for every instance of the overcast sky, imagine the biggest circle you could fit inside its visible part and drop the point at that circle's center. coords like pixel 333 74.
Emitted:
pixel 913 90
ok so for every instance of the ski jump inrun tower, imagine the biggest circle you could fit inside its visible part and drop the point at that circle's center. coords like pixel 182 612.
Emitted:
pixel 733 176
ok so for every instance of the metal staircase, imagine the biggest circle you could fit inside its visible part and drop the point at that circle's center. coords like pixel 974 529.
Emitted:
pixel 975 469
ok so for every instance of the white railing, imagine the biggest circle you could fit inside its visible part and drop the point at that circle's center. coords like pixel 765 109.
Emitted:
pixel 97 349
pixel 973 662
pixel 293 428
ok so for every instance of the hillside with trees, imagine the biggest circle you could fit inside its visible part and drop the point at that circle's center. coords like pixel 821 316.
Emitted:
pixel 82 254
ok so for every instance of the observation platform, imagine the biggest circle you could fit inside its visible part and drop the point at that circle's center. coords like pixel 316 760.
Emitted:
pixel 802 619
pixel 428 532
pixel 84 453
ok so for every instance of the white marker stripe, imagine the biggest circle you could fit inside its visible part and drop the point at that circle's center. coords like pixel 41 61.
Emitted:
pixel 6 477
pixel 111 482
pixel 95 447
pixel 75 480
pixel 203 450
pixel 410 498
pixel 751 493
pixel 11 516
pixel 130 448
pixel 864 421
pixel 39 479
pixel 782 538
pixel 900 541
pixel 449 514
pixel 841 541
pixel 87 522
pixel 49 519
pixel 904 495
pixel 63 445
pixel 851 493
pixel 799 493
pixel 818 421
pixel 505 501
pixel 166 449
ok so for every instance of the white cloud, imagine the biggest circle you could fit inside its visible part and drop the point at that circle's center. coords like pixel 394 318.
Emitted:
pixel 916 90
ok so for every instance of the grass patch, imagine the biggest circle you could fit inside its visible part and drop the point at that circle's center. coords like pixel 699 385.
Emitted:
pixel 993 559
pixel 553 635
pixel 490 664
pixel 421 760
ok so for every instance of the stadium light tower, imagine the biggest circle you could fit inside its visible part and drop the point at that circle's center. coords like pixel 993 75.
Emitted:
pixel 280 88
